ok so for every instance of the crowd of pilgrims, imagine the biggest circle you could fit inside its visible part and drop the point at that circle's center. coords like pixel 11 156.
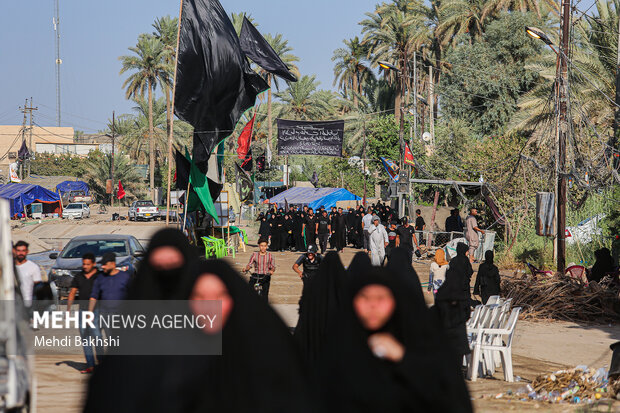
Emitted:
pixel 298 227
pixel 365 341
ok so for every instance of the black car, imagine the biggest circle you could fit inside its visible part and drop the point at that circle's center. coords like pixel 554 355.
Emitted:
pixel 127 248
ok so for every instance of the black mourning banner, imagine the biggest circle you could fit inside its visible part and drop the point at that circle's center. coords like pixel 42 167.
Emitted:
pixel 215 83
pixel 310 138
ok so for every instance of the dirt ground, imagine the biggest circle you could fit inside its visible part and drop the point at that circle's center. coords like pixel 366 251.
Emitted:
pixel 539 347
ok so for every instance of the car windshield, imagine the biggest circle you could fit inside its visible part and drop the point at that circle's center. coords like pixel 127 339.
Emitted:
pixel 77 248
pixel 144 204
pixel 74 206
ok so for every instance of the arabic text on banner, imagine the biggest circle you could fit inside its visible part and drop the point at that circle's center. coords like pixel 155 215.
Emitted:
pixel 310 138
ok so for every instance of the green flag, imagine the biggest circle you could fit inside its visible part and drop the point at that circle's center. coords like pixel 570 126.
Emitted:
pixel 200 185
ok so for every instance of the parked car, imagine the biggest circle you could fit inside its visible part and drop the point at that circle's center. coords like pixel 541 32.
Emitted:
pixel 144 210
pixel 76 196
pixel 76 210
pixel 68 263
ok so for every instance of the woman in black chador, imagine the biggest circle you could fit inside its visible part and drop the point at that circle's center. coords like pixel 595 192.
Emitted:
pixel 319 306
pixel 386 354
pixel 260 369
pixel 488 279
pixel 452 301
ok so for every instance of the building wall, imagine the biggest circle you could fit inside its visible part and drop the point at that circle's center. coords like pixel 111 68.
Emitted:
pixel 11 140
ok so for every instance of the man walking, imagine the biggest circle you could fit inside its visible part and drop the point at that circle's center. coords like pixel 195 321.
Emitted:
pixel 309 227
pixel 323 229
pixel 339 231
pixel 82 285
pixel 405 237
pixel 310 262
pixel 378 241
pixel 472 233
pixel 28 272
pixel 420 226
pixel 264 267
pixel 111 285
pixel 366 225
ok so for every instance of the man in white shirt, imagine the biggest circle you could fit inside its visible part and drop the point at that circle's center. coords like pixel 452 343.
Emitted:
pixel 378 241
pixel 28 272
pixel 366 225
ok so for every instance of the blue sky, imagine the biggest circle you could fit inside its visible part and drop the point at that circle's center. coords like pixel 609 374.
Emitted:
pixel 95 33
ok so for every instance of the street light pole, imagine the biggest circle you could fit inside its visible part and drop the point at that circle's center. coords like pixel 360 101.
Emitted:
pixel 562 132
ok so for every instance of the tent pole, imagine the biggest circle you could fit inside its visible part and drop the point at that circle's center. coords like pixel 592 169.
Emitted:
pixel 174 85
pixel 186 204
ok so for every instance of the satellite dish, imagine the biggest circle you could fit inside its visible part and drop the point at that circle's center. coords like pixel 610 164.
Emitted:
pixel 427 137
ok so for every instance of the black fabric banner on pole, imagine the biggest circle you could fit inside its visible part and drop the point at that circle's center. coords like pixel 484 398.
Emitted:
pixel 215 84
pixel 256 47
pixel 310 138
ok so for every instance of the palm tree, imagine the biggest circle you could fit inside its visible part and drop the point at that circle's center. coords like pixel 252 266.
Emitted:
pixel 166 29
pixel 351 70
pixel 493 7
pixel 281 47
pixel 302 101
pixel 98 170
pixel 391 34
pixel 149 65
pixel 460 17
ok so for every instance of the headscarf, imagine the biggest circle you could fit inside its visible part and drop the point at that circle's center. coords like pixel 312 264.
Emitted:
pixel 260 369
pixel 440 257
pixel 359 264
pixel 319 306
pixel 427 379
pixel 604 264
pixel 152 284
pixel 488 257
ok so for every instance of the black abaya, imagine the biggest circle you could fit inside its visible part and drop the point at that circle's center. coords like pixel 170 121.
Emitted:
pixel 427 379
pixel 487 279
pixel 260 369
pixel 320 303
pixel 452 301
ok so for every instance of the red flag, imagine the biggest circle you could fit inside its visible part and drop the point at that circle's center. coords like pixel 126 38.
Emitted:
pixel 120 194
pixel 409 156
pixel 244 138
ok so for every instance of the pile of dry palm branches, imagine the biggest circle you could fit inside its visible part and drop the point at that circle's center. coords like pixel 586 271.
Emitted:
pixel 561 298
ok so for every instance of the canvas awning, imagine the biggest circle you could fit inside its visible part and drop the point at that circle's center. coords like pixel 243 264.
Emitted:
pixel 22 195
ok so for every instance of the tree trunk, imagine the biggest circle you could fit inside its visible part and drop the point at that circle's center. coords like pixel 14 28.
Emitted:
pixel 151 144
pixel 355 89
pixel 398 99
pixel 269 112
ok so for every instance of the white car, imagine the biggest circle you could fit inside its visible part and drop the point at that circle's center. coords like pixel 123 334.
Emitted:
pixel 143 210
pixel 76 210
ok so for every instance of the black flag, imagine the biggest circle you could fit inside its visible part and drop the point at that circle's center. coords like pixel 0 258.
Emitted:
pixel 182 174
pixel 215 84
pixel 256 47
pixel 23 152
pixel 245 185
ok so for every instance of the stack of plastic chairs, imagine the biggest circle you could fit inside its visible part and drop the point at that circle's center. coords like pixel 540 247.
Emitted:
pixel 216 247
pixel 491 331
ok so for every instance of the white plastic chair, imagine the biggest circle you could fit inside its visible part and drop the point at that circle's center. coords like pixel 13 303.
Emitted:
pixel 494 299
pixel 494 342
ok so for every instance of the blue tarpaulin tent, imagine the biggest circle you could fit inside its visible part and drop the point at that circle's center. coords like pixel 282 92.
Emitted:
pixel 314 197
pixel 21 195
pixel 68 186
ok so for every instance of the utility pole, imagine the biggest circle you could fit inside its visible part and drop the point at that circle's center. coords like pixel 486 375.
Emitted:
pixel 56 21
pixel 431 103
pixel 401 138
pixel 415 96
pixel 30 147
pixel 112 160
pixel 26 110
pixel 562 125
pixel 616 131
